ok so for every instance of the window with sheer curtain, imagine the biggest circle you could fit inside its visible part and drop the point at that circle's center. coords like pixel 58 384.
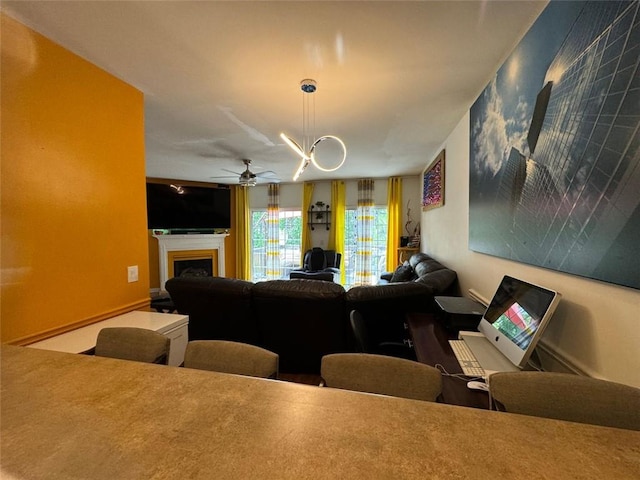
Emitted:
pixel 365 238
pixel 273 233
pixel 378 247
pixel 288 246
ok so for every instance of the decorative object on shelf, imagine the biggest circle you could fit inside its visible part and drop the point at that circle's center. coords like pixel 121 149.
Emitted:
pixel 433 184
pixel 309 143
pixel 319 214
pixel 408 226
pixel 412 240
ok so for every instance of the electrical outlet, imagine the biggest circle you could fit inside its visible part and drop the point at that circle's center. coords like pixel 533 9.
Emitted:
pixel 132 273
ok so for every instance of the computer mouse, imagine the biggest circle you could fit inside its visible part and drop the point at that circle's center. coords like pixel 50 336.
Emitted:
pixel 474 385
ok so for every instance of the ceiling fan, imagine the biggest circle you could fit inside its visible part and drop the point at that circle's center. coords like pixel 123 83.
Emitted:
pixel 248 178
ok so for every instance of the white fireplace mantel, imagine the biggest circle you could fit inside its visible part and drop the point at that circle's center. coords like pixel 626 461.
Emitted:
pixel 179 243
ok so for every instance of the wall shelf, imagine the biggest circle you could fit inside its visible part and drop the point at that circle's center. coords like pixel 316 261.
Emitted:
pixel 319 215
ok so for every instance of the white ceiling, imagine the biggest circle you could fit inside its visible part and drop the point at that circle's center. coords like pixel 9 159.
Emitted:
pixel 221 79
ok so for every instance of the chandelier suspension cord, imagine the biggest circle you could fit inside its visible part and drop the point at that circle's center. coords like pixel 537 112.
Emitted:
pixel 305 113
pixel 308 120
pixel 312 137
pixel 309 141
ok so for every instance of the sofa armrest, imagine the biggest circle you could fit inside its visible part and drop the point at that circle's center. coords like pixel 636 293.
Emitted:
pixel 386 276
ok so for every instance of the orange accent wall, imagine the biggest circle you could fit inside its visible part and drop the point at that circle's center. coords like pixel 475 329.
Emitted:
pixel 73 189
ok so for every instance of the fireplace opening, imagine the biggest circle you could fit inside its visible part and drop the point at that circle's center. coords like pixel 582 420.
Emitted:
pixel 198 267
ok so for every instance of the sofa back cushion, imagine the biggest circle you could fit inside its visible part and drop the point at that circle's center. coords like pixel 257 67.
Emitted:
pixel 218 308
pixel 417 258
pixel 426 266
pixel 442 281
pixel 384 307
pixel 300 320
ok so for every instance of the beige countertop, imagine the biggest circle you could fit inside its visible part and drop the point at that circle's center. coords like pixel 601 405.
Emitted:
pixel 72 416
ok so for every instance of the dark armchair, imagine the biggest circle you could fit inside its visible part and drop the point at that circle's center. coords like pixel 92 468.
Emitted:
pixel 319 264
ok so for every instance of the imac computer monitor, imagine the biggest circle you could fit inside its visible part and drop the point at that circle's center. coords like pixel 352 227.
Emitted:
pixel 516 318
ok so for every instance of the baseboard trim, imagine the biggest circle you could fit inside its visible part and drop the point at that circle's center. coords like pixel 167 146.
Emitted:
pixel 477 297
pixel 559 360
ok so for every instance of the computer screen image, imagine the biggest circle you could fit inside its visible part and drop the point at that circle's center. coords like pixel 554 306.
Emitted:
pixel 517 316
pixel 517 325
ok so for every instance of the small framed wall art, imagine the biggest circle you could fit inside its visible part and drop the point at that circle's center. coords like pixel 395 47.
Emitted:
pixel 433 184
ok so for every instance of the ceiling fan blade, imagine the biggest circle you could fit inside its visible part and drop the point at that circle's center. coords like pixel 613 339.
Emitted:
pixel 231 171
pixel 226 176
pixel 267 174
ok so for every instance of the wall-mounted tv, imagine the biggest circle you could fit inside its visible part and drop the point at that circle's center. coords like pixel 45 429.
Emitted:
pixel 187 208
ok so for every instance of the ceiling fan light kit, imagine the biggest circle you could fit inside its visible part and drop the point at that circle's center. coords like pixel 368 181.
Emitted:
pixel 247 178
pixel 308 149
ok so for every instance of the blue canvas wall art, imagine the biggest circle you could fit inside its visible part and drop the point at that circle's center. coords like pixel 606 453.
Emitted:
pixel 554 174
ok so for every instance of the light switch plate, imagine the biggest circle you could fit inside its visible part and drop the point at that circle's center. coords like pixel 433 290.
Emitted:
pixel 132 273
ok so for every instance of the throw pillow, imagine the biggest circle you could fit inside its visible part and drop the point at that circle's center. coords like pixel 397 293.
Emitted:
pixel 403 273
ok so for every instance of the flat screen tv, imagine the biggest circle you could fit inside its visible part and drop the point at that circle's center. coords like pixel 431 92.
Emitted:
pixel 516 318
pixel 184 208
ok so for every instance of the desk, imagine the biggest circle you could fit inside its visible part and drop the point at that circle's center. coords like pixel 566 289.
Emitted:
pixel 83 339
pixel 79 416
pixel 431 343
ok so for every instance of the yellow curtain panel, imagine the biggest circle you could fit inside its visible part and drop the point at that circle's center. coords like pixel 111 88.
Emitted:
pixel 337 229
pixel 243 238
pixel 394 230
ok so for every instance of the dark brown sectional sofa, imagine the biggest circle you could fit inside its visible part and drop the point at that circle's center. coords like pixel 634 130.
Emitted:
pixel 301 320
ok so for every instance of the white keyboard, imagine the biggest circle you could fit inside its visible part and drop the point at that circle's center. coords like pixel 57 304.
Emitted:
pixel 466 359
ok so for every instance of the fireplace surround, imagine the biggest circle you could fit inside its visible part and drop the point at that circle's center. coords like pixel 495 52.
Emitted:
pixel 190 247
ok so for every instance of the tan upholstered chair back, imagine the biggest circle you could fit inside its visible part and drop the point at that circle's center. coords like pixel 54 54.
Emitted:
pixel 231 357
pixel 567 397
pixel 131 343
pixel 381 374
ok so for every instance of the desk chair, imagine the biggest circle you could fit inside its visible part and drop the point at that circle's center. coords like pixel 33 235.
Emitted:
pixel 131 343
pixel 567 397
pixel 319 264
pixel 381 374
pixel 231 357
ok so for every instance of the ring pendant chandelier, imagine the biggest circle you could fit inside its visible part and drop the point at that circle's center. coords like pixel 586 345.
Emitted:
pixel 307 151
